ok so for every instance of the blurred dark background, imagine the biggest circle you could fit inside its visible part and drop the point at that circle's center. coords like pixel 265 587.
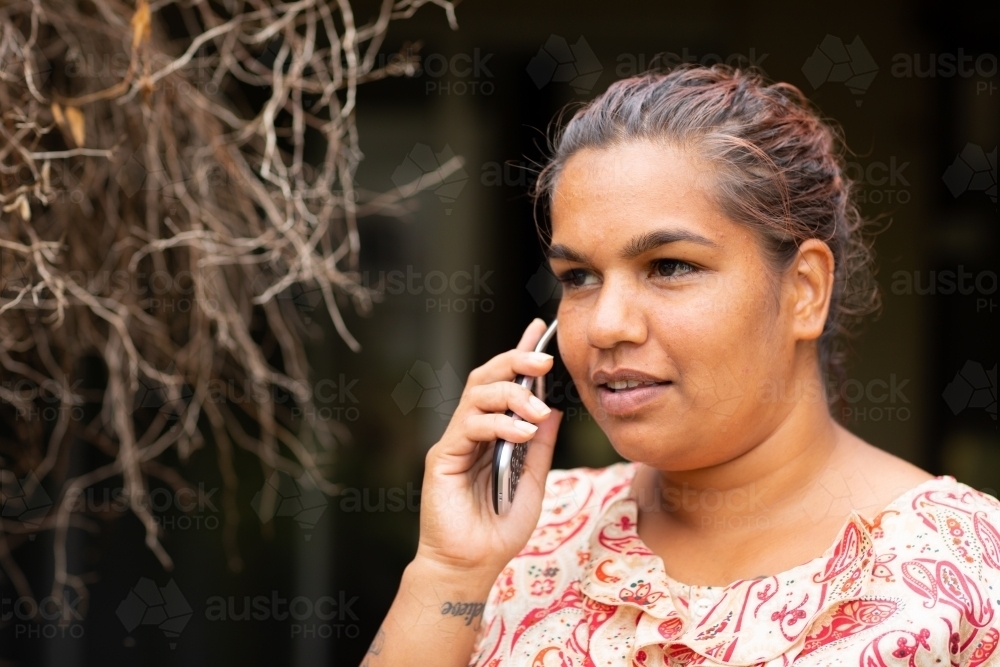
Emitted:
pixel 463 276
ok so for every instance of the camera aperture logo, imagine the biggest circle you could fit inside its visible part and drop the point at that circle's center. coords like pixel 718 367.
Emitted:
pixel 162 606
pixel 168 399
pixel 140 173
pixel 283 495
pixel 835 62
pixel 423 169
pixel 558 62
pixel 974 170
pixel 424 387
pixel 973 387
pixel 23 500
pixel 543 286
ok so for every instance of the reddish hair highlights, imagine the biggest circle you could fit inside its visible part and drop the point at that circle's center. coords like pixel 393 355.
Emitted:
pixel 780 170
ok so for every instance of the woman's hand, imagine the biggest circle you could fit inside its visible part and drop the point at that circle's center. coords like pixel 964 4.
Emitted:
pixel 458 528
pixel 463 545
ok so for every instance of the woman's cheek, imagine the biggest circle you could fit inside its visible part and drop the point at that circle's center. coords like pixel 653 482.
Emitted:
pixel 573 348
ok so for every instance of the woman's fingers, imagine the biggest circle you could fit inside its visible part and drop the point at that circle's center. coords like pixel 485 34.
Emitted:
pixel 520 361
pixel 483 418
pixel 488 428
pixel 503 396
pixel 488 395
pixel 507 365
pixel 532 334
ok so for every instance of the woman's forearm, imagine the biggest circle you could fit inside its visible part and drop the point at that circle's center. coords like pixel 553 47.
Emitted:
pixel 435 617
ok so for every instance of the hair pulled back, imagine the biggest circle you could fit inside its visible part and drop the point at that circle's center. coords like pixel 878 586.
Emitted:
pixel 780 169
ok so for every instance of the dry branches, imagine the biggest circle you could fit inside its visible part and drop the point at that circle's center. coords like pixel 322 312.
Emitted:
pixel 159 194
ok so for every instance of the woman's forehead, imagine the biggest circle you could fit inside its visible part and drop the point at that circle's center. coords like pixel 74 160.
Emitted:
pixel 632 189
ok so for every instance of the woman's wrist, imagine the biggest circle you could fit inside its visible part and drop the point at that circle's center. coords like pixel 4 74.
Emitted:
pixel 449 577
pixel 436 614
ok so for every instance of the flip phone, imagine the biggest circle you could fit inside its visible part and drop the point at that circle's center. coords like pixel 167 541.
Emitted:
pixel 508 457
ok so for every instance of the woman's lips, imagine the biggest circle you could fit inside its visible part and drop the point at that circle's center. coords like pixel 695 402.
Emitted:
pixel 621 402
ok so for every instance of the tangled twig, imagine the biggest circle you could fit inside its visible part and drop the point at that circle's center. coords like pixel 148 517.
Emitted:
pixel 158 197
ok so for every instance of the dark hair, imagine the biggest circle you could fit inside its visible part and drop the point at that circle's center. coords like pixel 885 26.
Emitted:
pixel 781 171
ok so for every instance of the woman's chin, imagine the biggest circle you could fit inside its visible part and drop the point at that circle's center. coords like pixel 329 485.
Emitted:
pixel 654 448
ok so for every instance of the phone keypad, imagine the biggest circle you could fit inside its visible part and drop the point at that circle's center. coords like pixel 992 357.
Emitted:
pixel 516 465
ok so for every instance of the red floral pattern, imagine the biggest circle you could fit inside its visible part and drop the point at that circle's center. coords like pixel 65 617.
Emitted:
pixel 916 586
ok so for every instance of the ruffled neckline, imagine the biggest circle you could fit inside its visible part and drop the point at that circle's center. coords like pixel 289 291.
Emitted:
pixel 623 571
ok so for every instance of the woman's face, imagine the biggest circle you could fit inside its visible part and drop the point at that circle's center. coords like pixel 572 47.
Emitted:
pixel 661 288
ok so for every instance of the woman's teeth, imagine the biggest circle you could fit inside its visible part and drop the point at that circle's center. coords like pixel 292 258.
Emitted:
pixel 627 384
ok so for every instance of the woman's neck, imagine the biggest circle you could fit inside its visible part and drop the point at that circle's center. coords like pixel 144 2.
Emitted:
pixel 776 473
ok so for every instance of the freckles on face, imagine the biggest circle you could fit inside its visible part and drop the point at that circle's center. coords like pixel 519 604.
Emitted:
pixel 668 321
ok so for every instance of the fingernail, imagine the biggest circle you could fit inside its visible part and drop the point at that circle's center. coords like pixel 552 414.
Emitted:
pixel 538 405
pixel 525 427
pixel 539 357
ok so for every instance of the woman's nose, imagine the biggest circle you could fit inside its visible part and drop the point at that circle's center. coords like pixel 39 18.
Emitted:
pixel 616 316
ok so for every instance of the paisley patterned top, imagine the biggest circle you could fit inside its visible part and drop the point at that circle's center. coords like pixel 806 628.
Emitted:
pixel 918 585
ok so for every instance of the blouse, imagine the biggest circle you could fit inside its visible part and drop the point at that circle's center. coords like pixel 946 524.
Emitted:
pixel 918 585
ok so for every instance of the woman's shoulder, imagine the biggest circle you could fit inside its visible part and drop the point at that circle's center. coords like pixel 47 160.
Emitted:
pixel 945 494
pixel 944 520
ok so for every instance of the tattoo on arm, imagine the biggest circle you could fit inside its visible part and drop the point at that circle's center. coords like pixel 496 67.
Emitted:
pixel 469 610
pixel 375 648
pixel 378 642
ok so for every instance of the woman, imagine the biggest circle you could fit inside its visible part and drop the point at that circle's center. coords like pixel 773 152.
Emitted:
pixel 712 260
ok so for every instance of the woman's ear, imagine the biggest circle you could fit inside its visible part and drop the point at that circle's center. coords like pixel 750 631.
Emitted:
pixel 812 275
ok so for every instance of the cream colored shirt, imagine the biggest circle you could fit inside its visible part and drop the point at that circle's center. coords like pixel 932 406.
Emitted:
pixel 917 586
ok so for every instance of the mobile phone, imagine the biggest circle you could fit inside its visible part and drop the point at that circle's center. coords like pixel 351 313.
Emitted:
pixel 508 457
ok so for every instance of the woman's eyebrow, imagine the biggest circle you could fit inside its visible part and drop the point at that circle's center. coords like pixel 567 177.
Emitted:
pixel 559 251
pixel 636 246
pixel 643 243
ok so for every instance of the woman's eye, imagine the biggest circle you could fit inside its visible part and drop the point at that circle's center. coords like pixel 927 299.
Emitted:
pixel 671 268
pixel 575 278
